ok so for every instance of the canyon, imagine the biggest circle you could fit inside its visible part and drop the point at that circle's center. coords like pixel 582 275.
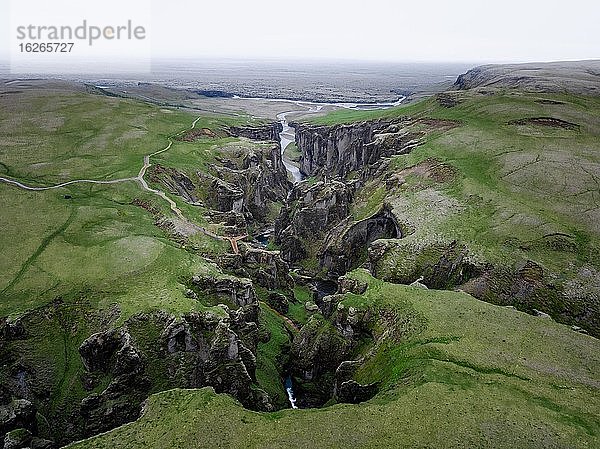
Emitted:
pixel 402 239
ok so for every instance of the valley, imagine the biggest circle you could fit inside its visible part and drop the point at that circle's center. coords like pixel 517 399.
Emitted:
pixel 244 272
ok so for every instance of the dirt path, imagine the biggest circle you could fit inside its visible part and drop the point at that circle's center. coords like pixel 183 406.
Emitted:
pixel 142 182
pixel 64 184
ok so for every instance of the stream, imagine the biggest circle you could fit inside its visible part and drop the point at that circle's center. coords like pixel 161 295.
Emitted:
pixel 286 137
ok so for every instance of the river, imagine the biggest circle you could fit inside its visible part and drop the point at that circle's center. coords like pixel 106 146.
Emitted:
pixel 288 135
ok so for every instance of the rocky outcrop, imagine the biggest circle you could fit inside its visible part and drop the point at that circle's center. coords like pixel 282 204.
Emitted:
pixel 351 322
pixel 320 350
pixel 17 416
pixel 346 245
pixel 112 369
pixel 328 305
pixel 232 223
pixel 342 149
pixel 224 197
pixel 11 330
pixel 263 133
pixel 236 291
pixel 269 269
pixel 528 286
pixel 438 264
pixel 17 439
pixel 317 351
pixel 278 302
pixel 251 185
pixel 196 350
pixel 352 392
pixel 347 390
pixel 176 182
pixel 202 349
pixel 351 285
pixel 243 179
pixel 111 350
pixel 309 212
pixel 112 353
pixel 266 268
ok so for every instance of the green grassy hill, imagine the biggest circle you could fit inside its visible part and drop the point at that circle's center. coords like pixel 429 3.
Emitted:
pixel 512 176
pixel 472 375
pixel 88 240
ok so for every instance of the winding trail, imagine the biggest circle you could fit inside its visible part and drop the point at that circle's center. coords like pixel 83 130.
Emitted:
pixel 142 182
pixel 287 136
pixel 64 184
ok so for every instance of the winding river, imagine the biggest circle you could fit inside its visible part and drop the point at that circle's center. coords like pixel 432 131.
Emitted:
pixel 288 135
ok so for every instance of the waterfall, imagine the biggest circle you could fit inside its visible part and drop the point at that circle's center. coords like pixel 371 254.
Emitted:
pixel 290 392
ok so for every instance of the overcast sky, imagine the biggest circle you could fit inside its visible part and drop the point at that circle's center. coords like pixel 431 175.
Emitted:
pixel 392 30
pixel 428 30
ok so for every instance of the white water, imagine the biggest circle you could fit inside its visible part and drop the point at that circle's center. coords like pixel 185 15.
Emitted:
pixel 290 392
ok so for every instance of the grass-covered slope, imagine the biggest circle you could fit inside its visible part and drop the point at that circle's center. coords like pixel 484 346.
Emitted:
pixel 512 176
pixel 464 374
pixel 86 257
pixel 94 241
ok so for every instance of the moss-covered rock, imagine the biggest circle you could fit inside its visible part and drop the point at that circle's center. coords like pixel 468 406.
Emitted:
pixel 17 439
pixel 317 351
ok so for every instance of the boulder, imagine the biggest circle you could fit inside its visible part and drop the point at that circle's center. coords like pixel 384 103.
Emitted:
pixel 12 330
pixel 350 285
pixel 17 414
pixel 311 307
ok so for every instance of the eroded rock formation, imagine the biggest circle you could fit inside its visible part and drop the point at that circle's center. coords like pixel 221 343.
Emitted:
pixel 346 245
pixel 310 211
pixel 265 132
pixel 342 149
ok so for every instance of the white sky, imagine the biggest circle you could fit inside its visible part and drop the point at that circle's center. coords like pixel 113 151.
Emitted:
pixel 429 30
pixel 392 30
